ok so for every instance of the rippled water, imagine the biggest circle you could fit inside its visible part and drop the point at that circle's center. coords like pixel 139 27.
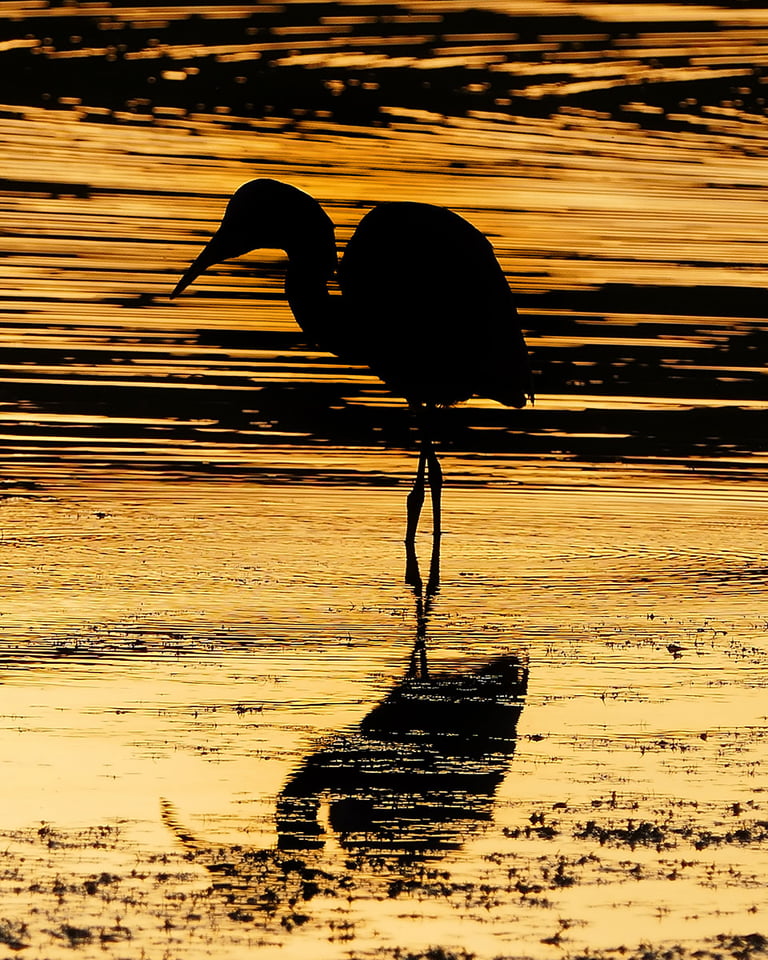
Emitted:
pixel 202 518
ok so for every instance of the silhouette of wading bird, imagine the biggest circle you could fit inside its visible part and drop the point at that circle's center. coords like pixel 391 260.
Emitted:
pixel 424 304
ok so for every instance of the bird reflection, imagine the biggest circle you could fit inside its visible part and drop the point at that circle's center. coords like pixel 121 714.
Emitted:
pixel 414 779
pixel 422 767
pixel 424 304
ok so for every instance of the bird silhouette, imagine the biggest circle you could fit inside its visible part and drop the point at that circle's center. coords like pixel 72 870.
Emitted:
pixel 424 304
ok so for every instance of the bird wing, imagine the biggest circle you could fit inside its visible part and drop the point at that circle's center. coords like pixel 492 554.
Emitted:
pixel 428 307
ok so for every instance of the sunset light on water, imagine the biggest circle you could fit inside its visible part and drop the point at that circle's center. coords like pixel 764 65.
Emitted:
pixel 214 738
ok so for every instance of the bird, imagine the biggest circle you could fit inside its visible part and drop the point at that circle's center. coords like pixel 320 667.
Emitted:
pixel 423 303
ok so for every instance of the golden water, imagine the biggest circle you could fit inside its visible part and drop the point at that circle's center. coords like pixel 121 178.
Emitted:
pixel 202 518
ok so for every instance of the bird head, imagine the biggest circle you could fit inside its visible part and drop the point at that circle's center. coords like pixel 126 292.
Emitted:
pixel 267 214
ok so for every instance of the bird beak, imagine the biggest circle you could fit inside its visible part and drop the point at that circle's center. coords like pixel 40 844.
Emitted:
pixel 213 252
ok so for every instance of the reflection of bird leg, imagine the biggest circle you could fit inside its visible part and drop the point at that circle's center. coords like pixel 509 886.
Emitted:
pixel 417 669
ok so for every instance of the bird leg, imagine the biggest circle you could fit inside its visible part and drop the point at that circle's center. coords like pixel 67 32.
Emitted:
pixel 429 466
pixel 415 502
pixel 435 490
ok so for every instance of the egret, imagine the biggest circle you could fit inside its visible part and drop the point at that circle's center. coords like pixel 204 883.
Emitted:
pixel 424 304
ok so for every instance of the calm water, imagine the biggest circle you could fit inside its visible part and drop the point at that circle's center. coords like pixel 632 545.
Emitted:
pixel 202 518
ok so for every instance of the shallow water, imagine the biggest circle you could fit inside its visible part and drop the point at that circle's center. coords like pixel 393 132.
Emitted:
pixel 202 518
pixel 193 646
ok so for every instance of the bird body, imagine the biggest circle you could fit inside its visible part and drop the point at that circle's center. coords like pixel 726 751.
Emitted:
pixel 424 304
pixel 437 314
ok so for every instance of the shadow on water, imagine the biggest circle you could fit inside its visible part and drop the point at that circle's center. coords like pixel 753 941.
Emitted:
pixel 416 778
pixel 421 768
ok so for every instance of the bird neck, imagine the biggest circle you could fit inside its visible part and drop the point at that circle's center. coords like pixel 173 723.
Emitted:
pixel 316 310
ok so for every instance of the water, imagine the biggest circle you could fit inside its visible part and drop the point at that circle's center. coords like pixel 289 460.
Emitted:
pixel 182 648
pixel 202 518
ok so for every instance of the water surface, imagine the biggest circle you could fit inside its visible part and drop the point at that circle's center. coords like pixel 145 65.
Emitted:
pixel 202 516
